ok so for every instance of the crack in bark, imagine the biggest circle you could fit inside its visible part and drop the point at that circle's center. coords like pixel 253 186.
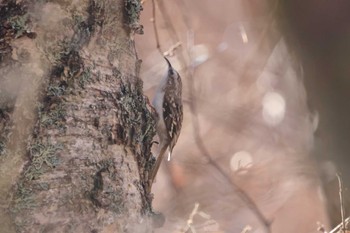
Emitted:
pixel 98 187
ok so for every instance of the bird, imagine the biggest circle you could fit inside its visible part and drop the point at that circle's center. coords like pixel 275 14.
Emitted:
pixel 167 103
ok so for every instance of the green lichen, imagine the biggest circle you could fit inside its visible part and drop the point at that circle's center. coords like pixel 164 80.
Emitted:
pixel 133 9
pixel 53 116
pixel 13 24
pixel 85 77
pixel 19 24
pixel 43 156
pixel 23 198
pixel 56 90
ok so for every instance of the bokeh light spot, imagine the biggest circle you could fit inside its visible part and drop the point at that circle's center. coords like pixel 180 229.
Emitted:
pixel 200 54
pixel 274 108
pixel 240 161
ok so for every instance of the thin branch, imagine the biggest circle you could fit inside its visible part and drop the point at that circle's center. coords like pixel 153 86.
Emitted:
pixel 190 219
pixel 172 31
pixel 247 229
pixel 335 230
pixel 248 65
pixel 171 50
pixel 154 21
pixel 342 211
pixel 193 228
pixel 167 19
pixel 249 202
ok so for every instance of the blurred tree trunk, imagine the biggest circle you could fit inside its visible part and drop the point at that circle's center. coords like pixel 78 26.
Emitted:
pixel 320 32
pixel 75 129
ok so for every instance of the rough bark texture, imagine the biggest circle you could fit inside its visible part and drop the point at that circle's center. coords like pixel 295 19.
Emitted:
pixel 85 168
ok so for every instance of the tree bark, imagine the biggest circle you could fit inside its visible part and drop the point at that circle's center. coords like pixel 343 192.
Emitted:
pixel 79 105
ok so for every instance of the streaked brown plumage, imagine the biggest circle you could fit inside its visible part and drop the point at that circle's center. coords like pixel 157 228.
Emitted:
pixel 168 105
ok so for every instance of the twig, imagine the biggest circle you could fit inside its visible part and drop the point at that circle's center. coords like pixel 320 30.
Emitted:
pixel 155 27
pixel 209 222
pixel 193 213
pixel 189 225
pixel 335 230
pixel 170 51
pixel 321 228
pixel 247 65
pixel 247 229
pixel 342 211
pixel 167 19
pixel 171 29
pixel 240 192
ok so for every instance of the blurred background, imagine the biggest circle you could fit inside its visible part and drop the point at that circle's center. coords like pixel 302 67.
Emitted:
pixel 265 90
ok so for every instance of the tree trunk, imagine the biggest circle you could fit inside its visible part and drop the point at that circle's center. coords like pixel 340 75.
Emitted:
pixel 322 37
pixel 76 131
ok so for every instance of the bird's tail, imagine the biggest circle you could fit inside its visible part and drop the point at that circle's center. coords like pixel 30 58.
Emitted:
pixel 159 160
